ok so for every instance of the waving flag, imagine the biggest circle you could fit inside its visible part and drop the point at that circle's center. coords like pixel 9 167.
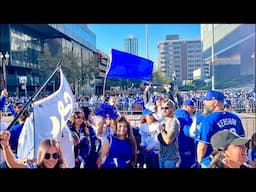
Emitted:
pixel 48 121
pixel 126 65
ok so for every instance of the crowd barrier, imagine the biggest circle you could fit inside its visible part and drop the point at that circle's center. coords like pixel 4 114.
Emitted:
pixel 249 122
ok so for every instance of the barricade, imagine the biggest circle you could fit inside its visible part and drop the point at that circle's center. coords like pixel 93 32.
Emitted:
pixel 249 124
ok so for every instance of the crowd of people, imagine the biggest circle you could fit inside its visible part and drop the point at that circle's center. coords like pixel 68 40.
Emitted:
pixel 175 131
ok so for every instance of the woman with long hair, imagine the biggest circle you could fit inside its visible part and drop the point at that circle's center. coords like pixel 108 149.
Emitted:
pixel 49 154
pixel 120 150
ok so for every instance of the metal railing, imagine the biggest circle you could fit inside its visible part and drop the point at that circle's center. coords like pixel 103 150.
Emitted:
pixel 249 124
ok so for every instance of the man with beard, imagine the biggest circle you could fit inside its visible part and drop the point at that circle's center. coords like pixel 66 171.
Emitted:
pixel 216 120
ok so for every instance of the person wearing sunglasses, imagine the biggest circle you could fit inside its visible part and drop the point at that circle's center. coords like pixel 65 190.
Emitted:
pixel 169 156
pixel 77 128
pixel 49 154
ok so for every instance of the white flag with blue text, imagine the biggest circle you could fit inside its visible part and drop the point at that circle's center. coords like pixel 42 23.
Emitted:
pixel 48 120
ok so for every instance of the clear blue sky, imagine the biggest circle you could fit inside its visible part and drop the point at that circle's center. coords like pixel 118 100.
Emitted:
pixel 110 36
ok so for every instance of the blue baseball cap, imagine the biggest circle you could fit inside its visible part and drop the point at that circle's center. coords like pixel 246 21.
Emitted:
pixel 146 112
pixel 212 94
pixel 189 102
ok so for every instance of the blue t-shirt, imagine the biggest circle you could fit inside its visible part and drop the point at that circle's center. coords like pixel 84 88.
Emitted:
pixel 120 153
pixel 15 134
pixel 199 118
pixel 2 103
pixel 186 143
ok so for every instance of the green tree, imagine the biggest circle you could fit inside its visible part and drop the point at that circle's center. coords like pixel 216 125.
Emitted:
pixel 158 77
pixel 53 54
pixel 89 70
pixel 71 68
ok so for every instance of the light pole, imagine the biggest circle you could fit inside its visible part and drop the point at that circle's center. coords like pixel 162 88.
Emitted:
pixel 4 62
pixel 213 67
pixel 146 40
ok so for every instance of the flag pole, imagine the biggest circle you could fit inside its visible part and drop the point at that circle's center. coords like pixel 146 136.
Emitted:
pixel 212 59
pixel 105 78
pixel 104 85
pixel 38 91
pixel 147 41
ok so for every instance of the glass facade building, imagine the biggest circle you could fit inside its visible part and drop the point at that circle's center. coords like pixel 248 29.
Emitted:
pixel 25 42
pixel 233 48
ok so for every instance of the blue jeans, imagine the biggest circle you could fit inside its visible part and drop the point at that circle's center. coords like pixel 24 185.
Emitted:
pixel 169 163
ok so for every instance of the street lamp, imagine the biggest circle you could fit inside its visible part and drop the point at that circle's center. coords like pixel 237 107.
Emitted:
pixel 4 62
pixel 212 59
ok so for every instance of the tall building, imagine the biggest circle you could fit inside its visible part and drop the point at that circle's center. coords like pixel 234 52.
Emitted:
pixel 25 42
pixel 131 45
pixel 179 56
pixel 233 46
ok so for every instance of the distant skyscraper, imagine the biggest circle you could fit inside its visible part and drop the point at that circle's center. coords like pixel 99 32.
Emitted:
pixel 131 45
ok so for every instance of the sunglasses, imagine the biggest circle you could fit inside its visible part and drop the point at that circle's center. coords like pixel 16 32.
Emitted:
pixel 79 117
pixel 49 155
pixel 164 108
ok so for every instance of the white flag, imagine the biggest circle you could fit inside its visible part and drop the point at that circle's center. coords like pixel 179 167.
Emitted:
pixel 48 121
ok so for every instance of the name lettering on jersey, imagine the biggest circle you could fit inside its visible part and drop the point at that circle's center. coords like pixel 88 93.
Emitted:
pixel 226 121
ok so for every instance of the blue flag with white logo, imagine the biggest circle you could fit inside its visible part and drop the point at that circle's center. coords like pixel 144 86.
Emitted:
pixel 126 65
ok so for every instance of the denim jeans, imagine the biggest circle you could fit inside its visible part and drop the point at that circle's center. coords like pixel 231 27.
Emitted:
pixel 175 163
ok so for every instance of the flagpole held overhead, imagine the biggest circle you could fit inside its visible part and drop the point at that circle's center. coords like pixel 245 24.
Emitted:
pixel 105 78
pixel 49 120
pixel 38 91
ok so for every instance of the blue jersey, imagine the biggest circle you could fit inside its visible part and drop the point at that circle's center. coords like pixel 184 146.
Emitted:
pixel 218 121
pixel 2 103
pixel 199 118
pixel 186 143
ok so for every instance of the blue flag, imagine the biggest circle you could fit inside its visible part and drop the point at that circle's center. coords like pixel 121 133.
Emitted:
pixel 48 121
pixel 126 65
